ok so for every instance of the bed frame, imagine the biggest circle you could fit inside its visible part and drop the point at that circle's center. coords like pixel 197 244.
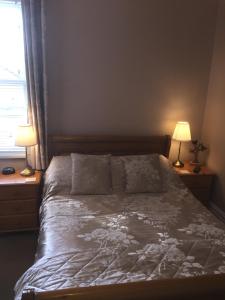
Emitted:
pixel 116 145
pixel 210 287
pixel 191 288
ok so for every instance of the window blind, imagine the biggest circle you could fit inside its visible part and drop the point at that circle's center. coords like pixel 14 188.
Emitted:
pixel 13 98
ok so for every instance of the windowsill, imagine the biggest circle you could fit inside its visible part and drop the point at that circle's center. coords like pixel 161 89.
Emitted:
pixel 12 154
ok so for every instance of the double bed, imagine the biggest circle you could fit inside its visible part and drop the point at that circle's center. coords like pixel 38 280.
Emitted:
pixel 124 244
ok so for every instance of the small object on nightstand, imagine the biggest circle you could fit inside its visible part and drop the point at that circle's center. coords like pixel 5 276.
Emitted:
pixel 184 171
pixel 8 170
pixel 30 179
pixel 197 169
pixel 197 147
pixel 28 171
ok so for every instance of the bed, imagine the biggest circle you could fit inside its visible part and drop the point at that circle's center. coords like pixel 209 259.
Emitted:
pixel 123 245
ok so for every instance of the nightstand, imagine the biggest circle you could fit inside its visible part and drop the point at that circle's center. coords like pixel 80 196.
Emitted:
pixel 199 184
pixel 19 202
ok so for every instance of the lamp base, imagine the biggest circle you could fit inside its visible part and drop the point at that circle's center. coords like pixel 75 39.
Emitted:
pixel 28 171
pixel 178 164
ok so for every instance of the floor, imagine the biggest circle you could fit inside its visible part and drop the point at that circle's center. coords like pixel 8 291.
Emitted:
pixel 17 252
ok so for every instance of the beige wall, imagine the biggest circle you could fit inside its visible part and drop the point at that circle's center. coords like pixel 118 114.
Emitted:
pixel 128 66
pixel 214 123
pixel 18 164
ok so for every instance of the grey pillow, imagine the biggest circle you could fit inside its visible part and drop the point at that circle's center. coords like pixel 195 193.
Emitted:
pixel 58 174
pixel 143 174
pixel 118 174
pixel 91 174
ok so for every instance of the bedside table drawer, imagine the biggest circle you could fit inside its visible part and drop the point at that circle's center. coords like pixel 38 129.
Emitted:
pixel 200 184
pixel 19 222
pixel 200 181
pixel 202 194
pixel 18 207
pixel 18 192
pixel 19 202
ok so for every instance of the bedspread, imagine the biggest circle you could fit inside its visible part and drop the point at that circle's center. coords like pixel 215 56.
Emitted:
pixel 95 240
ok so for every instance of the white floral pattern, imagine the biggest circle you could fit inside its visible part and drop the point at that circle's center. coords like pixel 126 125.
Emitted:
pixel 105 239
pixel 142 173
pixel 116 238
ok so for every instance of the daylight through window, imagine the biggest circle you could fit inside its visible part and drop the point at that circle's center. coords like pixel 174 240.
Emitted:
pixel 13 100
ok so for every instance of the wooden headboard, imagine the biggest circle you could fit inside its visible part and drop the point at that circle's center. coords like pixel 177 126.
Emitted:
pixel 116 145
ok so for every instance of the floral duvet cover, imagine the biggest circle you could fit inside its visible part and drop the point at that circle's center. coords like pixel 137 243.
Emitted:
pixel 108 239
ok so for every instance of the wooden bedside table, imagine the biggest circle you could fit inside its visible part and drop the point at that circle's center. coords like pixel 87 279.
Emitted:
pixel 199 184
pixel 19 202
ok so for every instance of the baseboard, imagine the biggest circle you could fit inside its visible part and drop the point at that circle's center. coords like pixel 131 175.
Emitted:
pixel 217 211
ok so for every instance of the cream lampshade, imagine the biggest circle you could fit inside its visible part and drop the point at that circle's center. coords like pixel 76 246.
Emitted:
pixel 26 137
pixel 181 133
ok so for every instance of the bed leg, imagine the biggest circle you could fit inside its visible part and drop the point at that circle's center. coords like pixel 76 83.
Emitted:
pixel 28 295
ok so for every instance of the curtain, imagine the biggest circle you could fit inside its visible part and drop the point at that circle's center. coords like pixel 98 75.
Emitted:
pixel 34 41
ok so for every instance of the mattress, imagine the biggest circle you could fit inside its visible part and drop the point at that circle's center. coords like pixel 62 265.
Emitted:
pixel 107 239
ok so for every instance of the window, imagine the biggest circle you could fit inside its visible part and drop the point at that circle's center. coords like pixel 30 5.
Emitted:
pixel 13 99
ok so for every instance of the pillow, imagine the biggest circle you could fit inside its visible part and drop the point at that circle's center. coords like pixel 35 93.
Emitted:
pixel 58 173
pixel 143 174
pixel 169 176
pixel 118 174
pixel 91 174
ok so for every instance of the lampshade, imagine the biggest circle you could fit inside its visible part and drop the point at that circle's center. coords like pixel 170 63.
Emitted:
pixel 25 136
pixel 182 132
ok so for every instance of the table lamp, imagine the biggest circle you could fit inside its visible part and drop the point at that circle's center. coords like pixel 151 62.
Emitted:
pixel 25 137
pixel 182 134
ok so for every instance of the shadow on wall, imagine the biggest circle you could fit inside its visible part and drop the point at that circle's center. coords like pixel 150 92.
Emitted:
pixel 214 121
